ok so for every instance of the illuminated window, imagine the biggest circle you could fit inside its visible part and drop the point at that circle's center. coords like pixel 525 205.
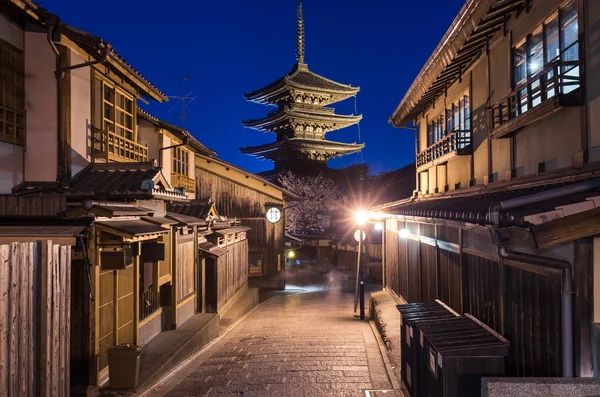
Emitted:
pixel 273 215
pixel 113 109
pixel 181 158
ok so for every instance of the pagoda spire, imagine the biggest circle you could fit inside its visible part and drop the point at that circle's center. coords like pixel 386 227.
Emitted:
pixel 300 35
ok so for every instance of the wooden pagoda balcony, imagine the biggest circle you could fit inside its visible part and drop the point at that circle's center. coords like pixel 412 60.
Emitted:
pixel 109 146
pixel 178 180
pixel 556 86
pixel 456 143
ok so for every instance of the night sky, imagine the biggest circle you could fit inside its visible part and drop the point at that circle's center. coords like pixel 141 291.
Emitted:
pixel 233 47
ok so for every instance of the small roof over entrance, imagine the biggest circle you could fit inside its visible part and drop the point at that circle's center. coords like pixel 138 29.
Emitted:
pixel 63 235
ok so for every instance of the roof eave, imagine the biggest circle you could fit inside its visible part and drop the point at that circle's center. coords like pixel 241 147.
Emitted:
pixel 459 31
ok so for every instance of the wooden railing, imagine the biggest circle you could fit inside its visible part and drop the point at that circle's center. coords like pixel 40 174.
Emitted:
pixel 454 141
pixel 113 147
pixel 149 303
pixel 557 78
pixel 178 180
pixel 12 126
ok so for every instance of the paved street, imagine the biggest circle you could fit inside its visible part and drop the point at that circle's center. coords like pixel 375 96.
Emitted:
pixel 306 344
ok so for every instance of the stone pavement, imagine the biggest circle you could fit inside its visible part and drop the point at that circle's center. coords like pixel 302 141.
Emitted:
pixel 306 344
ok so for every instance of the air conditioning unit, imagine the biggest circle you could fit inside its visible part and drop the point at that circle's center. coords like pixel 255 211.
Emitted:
pixel 147 184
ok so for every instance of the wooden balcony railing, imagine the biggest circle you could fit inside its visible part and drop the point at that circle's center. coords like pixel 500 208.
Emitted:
pixel 149 303
pixel 178 180
pixel 458 141
pixel 553 82
pixel 12 126
pixel 112 147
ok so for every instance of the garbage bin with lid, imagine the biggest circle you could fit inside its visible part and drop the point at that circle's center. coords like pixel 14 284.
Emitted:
pixel 457 353
pixel 410 346
pixel 124 366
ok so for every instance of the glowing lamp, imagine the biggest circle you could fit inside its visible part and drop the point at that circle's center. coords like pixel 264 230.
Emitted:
pixel 291 254
pixel 361 217
pixel 404 232
pixel 379 226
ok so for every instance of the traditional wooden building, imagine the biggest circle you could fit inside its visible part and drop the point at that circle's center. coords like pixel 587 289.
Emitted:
pixel 504 223
pixel 142 262
pixel 302 118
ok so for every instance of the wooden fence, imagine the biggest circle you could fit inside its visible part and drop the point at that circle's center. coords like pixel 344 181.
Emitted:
pixel 518 300
pixel 35 284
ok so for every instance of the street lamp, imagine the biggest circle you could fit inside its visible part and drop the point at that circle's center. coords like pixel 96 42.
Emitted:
pixel 361 218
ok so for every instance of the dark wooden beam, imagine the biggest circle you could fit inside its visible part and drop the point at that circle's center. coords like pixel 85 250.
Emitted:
pixel 569 228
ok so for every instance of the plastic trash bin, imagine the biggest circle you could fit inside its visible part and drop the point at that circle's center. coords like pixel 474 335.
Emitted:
pixel 124 366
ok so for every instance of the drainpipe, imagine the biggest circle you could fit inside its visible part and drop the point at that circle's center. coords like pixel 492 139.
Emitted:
pixel 62 174
pixel 160 157
pixel 566 300
pixel 416 130
pixel 494 216
pixel 496 208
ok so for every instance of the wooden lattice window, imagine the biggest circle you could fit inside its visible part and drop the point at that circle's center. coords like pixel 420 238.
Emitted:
pixel 12 94
pixel 181 158
pixel 114 109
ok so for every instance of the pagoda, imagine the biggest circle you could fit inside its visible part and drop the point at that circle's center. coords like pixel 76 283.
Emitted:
pixel 301 118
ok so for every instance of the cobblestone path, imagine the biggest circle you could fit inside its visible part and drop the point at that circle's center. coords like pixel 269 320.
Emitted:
pixel 305 344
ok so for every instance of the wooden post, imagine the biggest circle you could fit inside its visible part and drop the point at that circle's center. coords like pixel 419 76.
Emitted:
pixel 4 305
pixel 136 295
pixel 174 277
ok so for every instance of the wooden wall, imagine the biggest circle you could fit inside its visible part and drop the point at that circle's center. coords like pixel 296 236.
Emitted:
pixel 235 200
pixel 49 205
pixel 35 319
pixel 520 301
pixel 185 268
pixel 232 272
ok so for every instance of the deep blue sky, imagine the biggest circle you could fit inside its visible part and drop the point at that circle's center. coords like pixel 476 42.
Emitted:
pixel 233 47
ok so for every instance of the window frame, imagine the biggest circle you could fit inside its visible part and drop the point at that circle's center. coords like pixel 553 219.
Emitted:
pixel 102 118
pixel 455 117
pixel 13 116
pixel 181 161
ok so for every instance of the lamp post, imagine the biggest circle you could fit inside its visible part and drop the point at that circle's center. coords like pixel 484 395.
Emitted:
pixel 361 218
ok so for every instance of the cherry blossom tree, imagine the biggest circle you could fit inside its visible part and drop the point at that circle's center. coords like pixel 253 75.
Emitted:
pixel 318 197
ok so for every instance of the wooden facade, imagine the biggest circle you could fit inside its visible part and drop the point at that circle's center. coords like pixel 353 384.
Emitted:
pixel 247 198
pixel 35 319
pixel 520 301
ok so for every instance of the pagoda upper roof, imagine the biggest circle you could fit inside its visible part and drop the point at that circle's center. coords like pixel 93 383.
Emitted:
pixel 302 79
pixel 269 150
pixel 303 114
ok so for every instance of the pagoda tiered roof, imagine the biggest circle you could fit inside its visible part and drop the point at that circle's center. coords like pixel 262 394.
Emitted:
pixel 303 80
pixel 298 114
pixel 324 148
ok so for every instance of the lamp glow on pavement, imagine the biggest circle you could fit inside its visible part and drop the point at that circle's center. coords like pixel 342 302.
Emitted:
pixel 404 232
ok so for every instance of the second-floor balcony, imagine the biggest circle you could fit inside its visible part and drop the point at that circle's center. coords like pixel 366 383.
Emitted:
pixel 183 181
pixel 555 86
pixel 108 146
pixel 456 143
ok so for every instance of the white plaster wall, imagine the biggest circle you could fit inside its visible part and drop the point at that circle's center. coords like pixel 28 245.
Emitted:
pixel 11 166
pixel 552 140
pixel 40 102
pixel 167 159
pixel 81 116
pixel 148 135
pixel 11 33
pixel 459 171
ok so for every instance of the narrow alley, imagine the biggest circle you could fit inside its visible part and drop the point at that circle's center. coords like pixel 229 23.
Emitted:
pixel 302 344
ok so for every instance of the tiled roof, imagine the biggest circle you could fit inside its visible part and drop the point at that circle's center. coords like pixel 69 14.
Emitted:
pixel 473 207
pixel 302 77
pixel 180 132
pixel 196 208
pixel 113 179
pixel 87 41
